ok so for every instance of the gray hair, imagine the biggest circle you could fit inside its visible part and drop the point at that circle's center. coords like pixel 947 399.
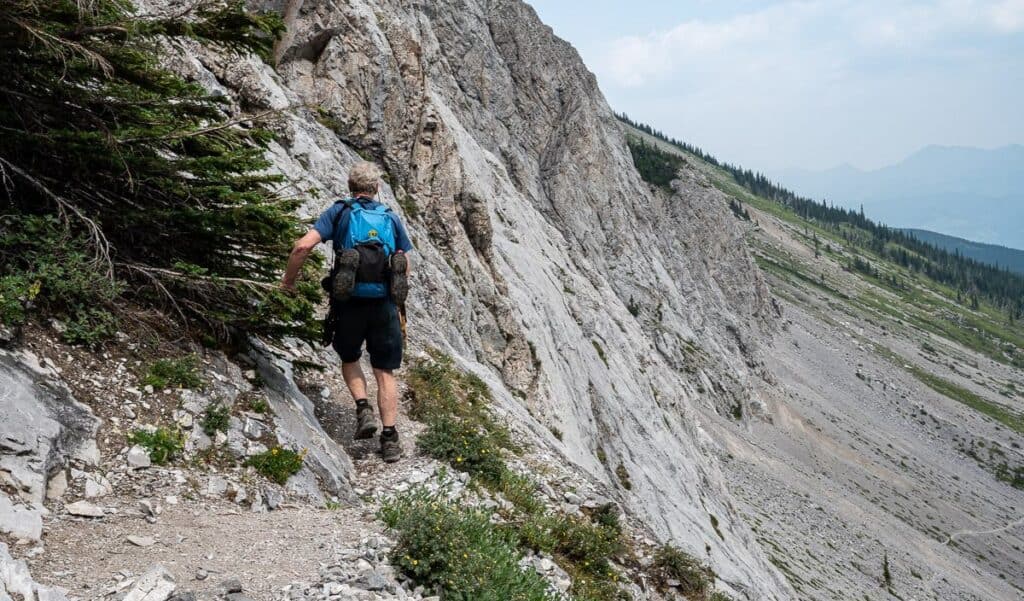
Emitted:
pixel 363 178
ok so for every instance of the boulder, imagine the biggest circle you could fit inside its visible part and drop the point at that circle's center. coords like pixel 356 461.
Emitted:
pixel 44 429
pixel 16 581
pixel 156 584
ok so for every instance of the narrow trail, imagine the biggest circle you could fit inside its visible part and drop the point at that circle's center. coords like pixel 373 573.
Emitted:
pixel 954 535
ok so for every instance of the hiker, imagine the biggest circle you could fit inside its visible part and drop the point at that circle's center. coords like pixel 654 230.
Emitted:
pixel 367 286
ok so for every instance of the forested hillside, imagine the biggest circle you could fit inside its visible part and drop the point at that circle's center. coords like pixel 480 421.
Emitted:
pixel 992 254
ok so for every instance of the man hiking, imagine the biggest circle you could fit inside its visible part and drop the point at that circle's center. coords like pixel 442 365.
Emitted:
pixel 367 285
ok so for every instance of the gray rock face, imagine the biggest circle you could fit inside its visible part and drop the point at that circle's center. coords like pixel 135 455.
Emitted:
pixel 298 427
pixel 44 428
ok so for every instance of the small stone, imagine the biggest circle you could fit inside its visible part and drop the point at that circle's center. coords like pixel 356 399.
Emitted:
pixel 252 429
pixel 202 574
pixel 573 498
pixel 672 582
pixel 141 541
pixel 138 457
pixel 157 584
pixel 273 498
pixel 375 581
pixel 216 486
pixel 84 509
pixel 184 419
pixel 148 388
pixel 545 564
pixel 232 585
pixel 96 486
pixel 57 485
pixel 147 508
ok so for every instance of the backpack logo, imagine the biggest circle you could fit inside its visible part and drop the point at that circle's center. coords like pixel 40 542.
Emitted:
pixel 372 233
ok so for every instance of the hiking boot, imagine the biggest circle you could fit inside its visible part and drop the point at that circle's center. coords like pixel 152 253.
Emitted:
pixel 346 263
pixel 399 278
pixel 390 449
pixel 366 424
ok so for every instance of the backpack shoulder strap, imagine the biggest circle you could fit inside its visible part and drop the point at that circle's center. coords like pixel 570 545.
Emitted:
pixel 348 202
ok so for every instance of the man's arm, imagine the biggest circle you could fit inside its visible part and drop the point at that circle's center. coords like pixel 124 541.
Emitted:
pixel 303 246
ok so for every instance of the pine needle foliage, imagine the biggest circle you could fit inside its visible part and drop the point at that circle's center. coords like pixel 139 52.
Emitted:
pixel 161 196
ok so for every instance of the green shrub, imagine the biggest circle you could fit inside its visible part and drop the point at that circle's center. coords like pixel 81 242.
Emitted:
pixel 607 516
pixel 46 269
pixel 623 474
pixel 457 551
pixel 586 544
pixel 464 446
pixel 581 543
pixel 437 387
pixel 277 464
pixel 216 419
pixel 182 372
pixel 521 491
pixel 655 165
pixel 671 563
pixel 163 444
pixel 259 405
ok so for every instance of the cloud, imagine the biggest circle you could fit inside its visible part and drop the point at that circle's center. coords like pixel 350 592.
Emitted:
pixel 797 35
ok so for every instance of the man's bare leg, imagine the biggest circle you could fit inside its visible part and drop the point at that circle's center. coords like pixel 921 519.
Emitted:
pixel 354 379
pixel 387 396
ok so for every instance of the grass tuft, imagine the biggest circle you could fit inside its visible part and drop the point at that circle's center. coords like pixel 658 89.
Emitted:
pixel 215 419
pixel 162 444
pixel 182 372
pixel 278 464
pixel 671 563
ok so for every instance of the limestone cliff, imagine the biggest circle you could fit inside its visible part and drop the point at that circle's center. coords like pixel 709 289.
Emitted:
pixel 590 303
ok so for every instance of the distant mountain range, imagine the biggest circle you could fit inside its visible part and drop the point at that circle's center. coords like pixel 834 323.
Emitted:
pixel 1010 258
pixel 971 193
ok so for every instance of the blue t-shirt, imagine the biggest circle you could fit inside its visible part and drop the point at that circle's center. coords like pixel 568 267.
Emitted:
pixel 325 224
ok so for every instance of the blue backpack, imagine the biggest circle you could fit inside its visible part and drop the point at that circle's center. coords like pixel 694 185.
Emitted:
pixel 371 232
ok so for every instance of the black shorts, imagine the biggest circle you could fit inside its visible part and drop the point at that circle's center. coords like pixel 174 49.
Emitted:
pixel 373 321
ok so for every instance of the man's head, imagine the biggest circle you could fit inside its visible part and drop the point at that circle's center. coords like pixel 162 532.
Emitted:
pixel 364 179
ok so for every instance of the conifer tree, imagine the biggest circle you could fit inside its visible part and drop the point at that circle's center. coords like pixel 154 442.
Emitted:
pixel 126 186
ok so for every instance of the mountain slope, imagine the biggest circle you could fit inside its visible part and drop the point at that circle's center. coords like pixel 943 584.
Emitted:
pixel 534 269
pixel 967 192
pixel 1002 256
pixel 890 433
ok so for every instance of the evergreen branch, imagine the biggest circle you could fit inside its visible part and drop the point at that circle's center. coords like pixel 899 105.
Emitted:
pixel 160 288
pixel 58 45
pixel 177 275
pixel 206 130
pixel 100 244
pixel 84 32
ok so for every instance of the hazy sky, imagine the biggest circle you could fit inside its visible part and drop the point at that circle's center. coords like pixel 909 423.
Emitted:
pixel 807 84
